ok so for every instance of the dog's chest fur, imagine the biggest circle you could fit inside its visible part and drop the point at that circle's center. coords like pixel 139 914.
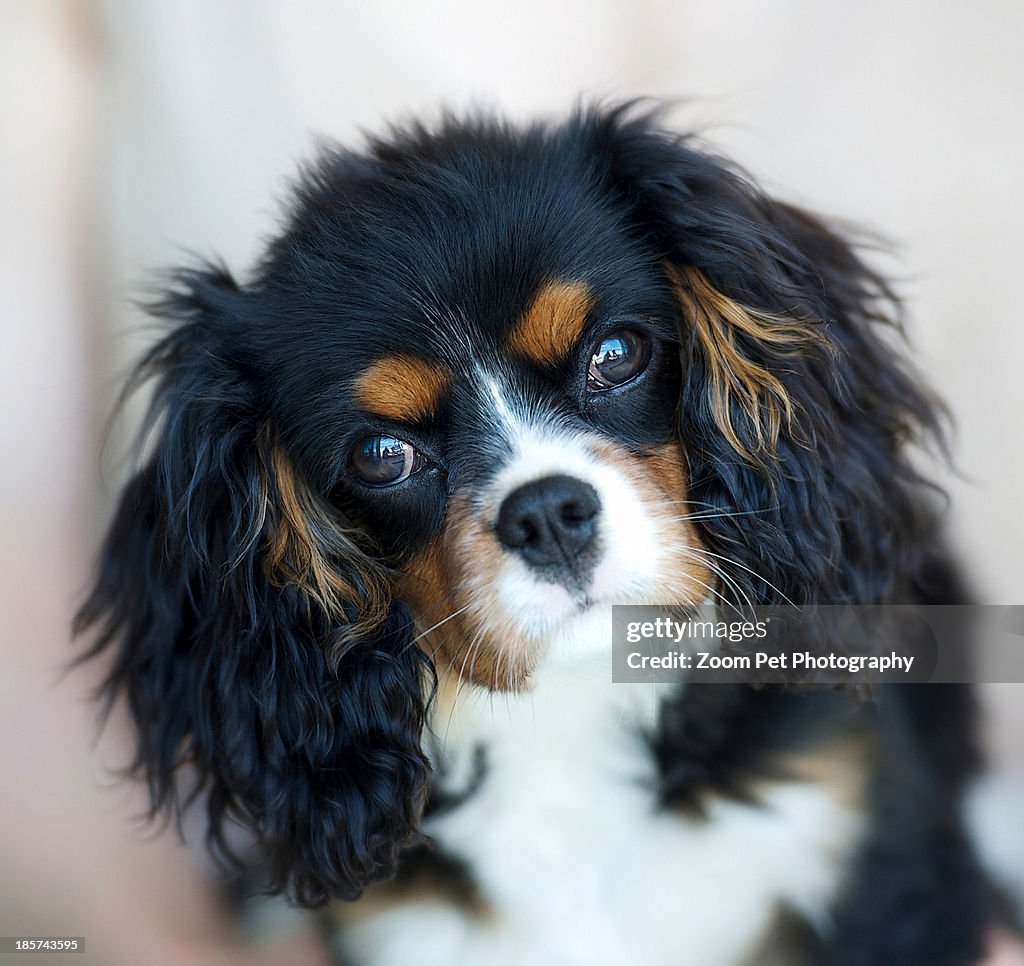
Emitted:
pixel 552 848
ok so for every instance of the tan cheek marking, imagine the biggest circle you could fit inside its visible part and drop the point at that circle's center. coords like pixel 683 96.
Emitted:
pixel 402 388
pixel 426 586
pixel 667 465
pixel 660 479
pixel 553 323
pixel 460 568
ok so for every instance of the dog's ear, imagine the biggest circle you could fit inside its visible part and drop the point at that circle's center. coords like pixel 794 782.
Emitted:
pixel 254 640
pixel 797 402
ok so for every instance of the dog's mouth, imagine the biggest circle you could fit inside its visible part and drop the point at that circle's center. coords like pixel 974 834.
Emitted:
pixel 586 605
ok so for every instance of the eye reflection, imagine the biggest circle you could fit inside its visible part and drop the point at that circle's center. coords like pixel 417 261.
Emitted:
pixel 619 357
pixel 384 460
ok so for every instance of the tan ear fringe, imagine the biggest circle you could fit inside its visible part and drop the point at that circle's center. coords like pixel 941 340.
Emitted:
pixel 308 548
pixel 718 323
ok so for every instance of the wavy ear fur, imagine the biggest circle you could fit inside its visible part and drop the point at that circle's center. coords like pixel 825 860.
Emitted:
pixel 797 403
pixel 253 639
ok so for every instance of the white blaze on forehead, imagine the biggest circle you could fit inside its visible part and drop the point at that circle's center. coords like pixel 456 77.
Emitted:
pixel 501 407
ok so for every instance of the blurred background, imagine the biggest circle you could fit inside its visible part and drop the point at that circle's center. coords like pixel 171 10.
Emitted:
pixel 135 133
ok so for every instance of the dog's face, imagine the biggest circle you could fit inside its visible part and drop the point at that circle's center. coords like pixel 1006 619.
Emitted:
pixel 502 423
pixel 485 384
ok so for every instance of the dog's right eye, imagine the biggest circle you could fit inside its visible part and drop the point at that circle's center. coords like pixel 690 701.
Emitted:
pixel 384 460
pixel 618 358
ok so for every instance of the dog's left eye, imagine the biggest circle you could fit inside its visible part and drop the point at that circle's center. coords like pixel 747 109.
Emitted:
pixel 385 460
pixel 619 357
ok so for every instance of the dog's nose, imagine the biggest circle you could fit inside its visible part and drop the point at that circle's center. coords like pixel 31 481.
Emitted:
pixel 550 522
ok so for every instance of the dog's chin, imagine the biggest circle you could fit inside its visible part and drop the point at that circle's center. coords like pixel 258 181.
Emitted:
pixel 577 636
pixel 574 630
pixel 584 637
pixel 573 619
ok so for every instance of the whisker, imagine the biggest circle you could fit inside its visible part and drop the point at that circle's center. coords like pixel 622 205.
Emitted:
pixel 433 628
pixel 459 684
pixel 736 563
pixel 707 515
pixel 475 649
pixel 731 582
pixel 711 590
pixel 714 506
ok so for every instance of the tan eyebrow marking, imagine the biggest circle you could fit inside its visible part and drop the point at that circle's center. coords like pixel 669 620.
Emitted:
pixel 402 388
pixel 553 323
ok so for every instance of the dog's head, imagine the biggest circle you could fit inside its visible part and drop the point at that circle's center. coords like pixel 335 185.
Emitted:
pixel 486 383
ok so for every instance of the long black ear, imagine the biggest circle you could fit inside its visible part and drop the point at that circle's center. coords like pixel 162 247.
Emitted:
pixel 797 403
pixel 254 640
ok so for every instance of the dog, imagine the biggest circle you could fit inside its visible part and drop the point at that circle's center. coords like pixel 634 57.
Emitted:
pixel 486 382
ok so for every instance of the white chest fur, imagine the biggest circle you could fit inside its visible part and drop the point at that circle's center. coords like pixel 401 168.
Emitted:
pixel 576 863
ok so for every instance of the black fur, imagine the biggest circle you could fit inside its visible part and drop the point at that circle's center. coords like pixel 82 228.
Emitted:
pixel 313 746
pixel 304 722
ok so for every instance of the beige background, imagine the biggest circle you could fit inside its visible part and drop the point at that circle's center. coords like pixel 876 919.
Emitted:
pixel 133 132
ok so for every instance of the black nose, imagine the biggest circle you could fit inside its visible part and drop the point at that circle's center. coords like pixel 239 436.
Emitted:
pixel 550 522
